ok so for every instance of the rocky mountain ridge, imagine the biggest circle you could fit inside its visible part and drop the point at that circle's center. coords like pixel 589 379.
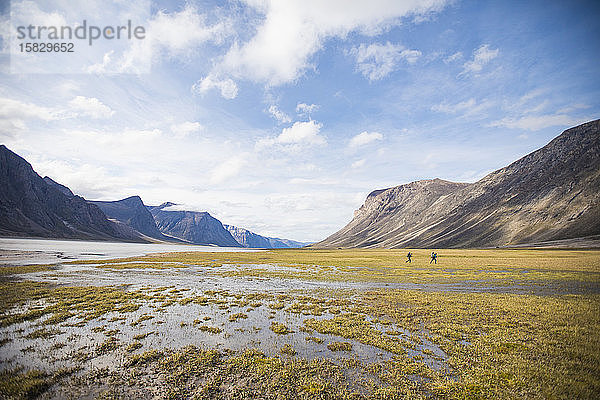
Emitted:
pixel 132 212
pixel 192 226
pixel 550 194
pixel 30 206
pixel 253 240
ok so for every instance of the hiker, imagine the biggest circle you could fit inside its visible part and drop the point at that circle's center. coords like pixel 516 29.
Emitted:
pixel 408 256
pixel 433 258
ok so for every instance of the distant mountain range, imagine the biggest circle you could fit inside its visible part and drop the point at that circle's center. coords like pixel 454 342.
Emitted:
pixel 192 226
pixel 251 239
pixel 31 206
pixel 133 213
pixel 551 194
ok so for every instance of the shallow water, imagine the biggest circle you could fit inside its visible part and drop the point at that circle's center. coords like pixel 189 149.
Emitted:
pixel 175 324
pixel 18 251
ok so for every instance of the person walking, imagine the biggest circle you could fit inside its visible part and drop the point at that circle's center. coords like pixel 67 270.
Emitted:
pixel 408 256
pixel 433 258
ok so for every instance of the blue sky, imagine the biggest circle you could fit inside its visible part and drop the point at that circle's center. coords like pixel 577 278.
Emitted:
pixel 281 116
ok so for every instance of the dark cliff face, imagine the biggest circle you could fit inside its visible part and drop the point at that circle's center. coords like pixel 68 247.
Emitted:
pixel 132 212
pixel 31 207
pixel 191 226
pixel 550 194
pixel 65 190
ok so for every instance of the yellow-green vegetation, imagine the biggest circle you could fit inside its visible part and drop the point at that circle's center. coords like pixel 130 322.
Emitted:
pixel 280 328
pixel 357 327
pixel 504 345
pixel 209 374
pixel 145 357
pixel 340 346
pixel 314 339
pixel 210 329
pixel 107 346
pixel 133 346
pixel 141 336
pixel 60 302
pixel 23 269
pixel 288 350
pixel 504 266
pixel 236 316
pixel 277 306
pixel 17 384
pixel 429 343
pixel 43 333
pixel 144 317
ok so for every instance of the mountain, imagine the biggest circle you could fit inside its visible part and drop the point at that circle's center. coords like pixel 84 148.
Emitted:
pixel 132 212
pixel 30 206
pixel 550 194
pixel 253 240
pixel 247 238
pixel 191 226
pixel 278 243
pixel 65 190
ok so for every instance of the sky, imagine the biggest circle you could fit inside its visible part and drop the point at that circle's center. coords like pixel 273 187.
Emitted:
pixel 281 116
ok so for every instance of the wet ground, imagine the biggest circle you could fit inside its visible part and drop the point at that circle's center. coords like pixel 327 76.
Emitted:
pixel 230 307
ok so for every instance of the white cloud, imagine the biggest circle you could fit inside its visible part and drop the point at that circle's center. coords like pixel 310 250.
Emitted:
pixel 293 31
pixel 454 57
pixel 300 133
pixel 90 107
pixel 364 138
pixel 184 129
pixel 376 61
pixel 227 86
pixel 466 108
pixel 31 12
pixel 359 163
pixel 314 181
pixel 135 135
pixel 454 108
pixel 181 32
pixel 14 114
pixel 537 122
pixel 303 108
pixel 278 114
pixel 104 66
pixel 227 169
pixel 574 107
pixel 14 109
pixel 481 57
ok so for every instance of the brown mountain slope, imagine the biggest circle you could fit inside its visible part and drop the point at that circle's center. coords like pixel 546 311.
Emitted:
pixel 550 194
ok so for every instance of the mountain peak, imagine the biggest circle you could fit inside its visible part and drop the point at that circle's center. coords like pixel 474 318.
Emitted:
pixel 192 226
pixel 549 194
pixel 33 206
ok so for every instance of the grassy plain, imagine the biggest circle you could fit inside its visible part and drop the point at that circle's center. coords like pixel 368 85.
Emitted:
pixel 483 324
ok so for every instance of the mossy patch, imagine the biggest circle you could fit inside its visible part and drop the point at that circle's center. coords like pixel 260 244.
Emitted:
pixel 280 328
pixel 340 346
